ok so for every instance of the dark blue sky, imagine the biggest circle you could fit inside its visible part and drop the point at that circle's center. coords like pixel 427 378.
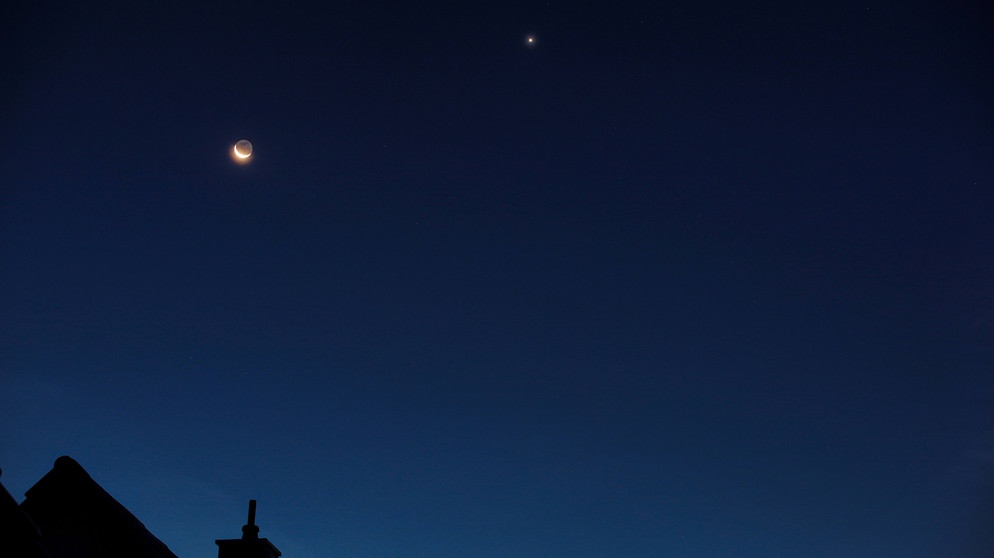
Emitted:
pixel 698 280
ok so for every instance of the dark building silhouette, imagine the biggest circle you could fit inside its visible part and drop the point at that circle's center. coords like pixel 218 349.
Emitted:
pixel 67 514
pixel 19 536
pixel 250 545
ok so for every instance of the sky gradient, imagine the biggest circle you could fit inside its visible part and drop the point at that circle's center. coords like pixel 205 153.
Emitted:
pixel 696 280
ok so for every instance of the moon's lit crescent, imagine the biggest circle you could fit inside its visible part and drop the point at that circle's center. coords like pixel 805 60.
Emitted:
pixel 242 150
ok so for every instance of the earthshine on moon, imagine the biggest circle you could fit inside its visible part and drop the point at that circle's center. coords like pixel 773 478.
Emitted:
pixel 242 151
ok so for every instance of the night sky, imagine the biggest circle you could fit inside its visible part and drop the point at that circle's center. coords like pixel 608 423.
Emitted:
pixel 700 279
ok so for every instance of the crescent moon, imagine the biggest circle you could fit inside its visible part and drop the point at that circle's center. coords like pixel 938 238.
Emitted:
pixel 241 151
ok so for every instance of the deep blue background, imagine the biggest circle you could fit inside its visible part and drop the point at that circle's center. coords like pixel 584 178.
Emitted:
pixel 710 279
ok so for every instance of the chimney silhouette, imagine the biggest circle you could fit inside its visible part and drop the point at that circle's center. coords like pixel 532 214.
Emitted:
pixel 250 545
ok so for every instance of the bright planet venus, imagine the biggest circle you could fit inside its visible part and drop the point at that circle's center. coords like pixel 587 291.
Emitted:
pixel 242 150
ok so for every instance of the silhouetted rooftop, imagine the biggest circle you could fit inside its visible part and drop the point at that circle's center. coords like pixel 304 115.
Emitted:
pixel 250 545
pixel 76 518
pixel 19 536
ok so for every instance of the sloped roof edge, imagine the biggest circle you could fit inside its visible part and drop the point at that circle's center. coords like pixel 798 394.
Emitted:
pixel 86 510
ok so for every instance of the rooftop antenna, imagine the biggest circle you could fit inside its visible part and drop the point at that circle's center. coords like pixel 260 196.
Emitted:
pixel 250 530
pixel 250 545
